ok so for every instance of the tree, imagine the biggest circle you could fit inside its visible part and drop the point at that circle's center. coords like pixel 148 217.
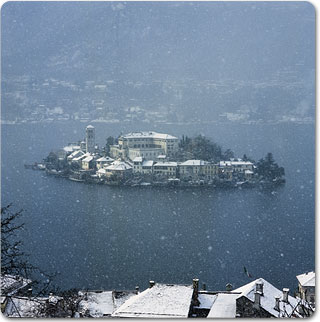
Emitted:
pixel 268 169
pixel 228 154
pixel 201 147
pixel 14 261
pixel 110 141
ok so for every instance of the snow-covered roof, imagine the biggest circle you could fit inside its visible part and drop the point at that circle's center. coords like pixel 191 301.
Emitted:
pixel 224 306
pixel 248 172
pixel 71 148
pixel 235 163
pixel 101 171
pixel 206 300
pixel 12 284
pixel 193 163
pixel 166 164
pixel 307 279
pixel 147 163
pixel 75 153
pixel 119 166
pixel 99 304
pixel 161 156
pixel 90 127
pixel 88 158
pixel 81 157
pixel 25 307
pixel 105 159
pixel 161 300
pixel 267 301
pixel 137 159
pixel 149 134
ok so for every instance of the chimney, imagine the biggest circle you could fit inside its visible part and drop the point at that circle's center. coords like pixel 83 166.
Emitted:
pixel 256 304
pixel 195 284
pixel 285 293
pixel 229 287
pixel 137 289
pixel 259 287
pixel 151 283
pixel 204 286
pixel 277 304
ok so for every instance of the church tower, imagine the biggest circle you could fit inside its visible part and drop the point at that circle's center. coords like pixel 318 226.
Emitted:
pixel 90 139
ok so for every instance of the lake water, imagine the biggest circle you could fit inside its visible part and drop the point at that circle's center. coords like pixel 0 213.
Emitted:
pixel 102 237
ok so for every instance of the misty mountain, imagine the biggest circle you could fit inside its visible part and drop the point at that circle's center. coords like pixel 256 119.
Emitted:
pixel 186 43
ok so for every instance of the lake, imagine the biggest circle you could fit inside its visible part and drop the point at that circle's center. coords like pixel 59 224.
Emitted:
pixel 103 237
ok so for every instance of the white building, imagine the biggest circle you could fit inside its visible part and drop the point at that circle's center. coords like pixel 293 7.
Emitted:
pixel 87 162
pixel 142 166
pixel 166 169
pixel 148 145
pixel 197 169
pixel 118 170
pixel 103 161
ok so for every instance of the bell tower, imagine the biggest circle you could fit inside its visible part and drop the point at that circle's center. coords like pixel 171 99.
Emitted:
pixel 90 139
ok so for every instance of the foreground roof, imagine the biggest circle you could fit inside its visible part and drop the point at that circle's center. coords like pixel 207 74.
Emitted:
pixel 102 303
pixel 268 298
pixel 161 300
pixel 307 279
pixel 224 306
pixel 12 284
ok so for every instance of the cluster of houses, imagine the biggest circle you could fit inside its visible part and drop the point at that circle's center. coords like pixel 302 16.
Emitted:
pixel 258 298
pixel 149 155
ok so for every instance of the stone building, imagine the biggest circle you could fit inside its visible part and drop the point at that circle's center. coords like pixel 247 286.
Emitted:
pixel 90 139
pixel 148 145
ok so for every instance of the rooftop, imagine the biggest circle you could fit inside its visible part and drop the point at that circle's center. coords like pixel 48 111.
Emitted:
pixel 307 279
pixel 268 298
pixel 224 306
pixel 194 163
pixel 161 300
pixel 119 166
pixel 166 164
pixel 149 134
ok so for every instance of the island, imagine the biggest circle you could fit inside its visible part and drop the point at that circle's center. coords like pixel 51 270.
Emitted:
pixel 150 158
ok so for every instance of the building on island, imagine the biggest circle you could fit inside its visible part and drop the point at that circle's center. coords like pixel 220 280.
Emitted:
pixel 90 139
pixel 118 170
pixel 103 161
pixel 166 169
pixel 142 166
pixel 87 162
pixel 148 145
pixel 197 169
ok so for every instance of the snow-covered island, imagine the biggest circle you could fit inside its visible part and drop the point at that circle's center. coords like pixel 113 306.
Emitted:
pixel 151 158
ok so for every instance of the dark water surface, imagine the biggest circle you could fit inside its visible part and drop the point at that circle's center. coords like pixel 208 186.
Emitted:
pixel 115 237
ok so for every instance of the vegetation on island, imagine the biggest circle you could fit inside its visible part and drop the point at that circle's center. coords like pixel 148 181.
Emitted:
pixel 202 148
pixel 268 169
